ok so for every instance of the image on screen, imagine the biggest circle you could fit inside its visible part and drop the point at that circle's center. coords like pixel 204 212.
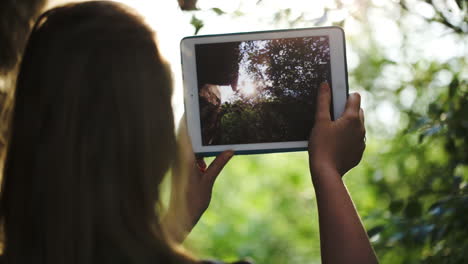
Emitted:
pixel 260 91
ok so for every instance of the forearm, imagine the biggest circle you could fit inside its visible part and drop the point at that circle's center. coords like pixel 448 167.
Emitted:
pixel 343 238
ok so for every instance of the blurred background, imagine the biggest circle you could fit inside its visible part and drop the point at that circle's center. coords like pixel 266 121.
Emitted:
pixel 409 61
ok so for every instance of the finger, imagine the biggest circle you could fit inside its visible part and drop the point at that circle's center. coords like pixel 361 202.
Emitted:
pixel 361 115
pixel 323 103
pixel 218 164
pixel 353 104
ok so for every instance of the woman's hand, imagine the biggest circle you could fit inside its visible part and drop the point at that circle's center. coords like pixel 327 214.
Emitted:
pixel 339 144
pixel 334 148
pixel 192 185
pixel 200 183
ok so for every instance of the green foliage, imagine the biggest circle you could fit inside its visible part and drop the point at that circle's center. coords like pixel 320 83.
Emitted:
pixel 218 11
pixel 265 121
pixel 197 24
pixel 292 67
pixel 263 207
pixel 422 174
pixel 426 216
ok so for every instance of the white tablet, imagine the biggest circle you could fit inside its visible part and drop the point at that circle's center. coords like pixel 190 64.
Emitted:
pixel 256 92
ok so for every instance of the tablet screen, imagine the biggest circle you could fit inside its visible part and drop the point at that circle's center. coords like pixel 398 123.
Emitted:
pixel 260 91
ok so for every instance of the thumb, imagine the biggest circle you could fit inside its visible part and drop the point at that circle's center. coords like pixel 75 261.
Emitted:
pixel 323 103
pixel 218 164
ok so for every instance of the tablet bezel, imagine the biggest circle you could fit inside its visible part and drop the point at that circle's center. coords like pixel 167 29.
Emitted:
pixel 339 79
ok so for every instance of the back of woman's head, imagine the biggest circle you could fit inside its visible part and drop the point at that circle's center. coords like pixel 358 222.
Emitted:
pixel 92 137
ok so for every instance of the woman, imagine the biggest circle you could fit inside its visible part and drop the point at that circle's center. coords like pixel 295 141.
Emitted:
pixel 93 137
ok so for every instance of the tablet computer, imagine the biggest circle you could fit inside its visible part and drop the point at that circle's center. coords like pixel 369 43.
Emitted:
pixel 256 92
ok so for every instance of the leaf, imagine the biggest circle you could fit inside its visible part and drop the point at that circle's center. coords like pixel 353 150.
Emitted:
pixel 375 231
pixel 432 130
pixel 218 11
pixel 196 23
pixel 436 209
pixel 420 122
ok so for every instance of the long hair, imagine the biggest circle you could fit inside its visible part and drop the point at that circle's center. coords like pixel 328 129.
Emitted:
pixel 92 137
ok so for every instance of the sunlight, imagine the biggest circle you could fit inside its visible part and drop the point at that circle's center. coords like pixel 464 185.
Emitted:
pixel 226 93
pixel 246 85
pixel 248 88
